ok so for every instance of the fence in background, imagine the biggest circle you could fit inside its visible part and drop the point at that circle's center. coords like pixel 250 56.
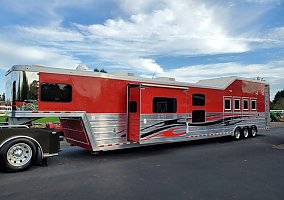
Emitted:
pixel 2 110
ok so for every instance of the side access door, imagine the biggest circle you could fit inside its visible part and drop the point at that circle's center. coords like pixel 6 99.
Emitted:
pixel 134 111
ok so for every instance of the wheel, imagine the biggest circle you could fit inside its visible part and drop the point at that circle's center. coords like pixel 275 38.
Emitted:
pixel 237 133
pixel 17 154
pixel 253 131
pixel 245 132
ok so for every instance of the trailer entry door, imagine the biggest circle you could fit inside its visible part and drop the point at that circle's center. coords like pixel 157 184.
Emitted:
pixel 134 110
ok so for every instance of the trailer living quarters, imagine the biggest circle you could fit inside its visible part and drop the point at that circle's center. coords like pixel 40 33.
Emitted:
pixel 100 111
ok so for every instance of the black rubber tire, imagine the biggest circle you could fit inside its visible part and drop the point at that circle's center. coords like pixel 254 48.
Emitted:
pixel 253 131
pixel 237 133
pixel 245 132
pixel 6 166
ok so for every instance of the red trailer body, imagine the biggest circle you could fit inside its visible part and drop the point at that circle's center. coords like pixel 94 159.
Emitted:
pixel 101 111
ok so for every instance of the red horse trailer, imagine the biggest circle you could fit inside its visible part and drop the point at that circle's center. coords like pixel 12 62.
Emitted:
pixel 101 111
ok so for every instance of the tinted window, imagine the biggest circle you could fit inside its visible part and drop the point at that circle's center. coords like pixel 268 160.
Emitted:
pixel 55 92
pixel 132 106
pixel 198 99
pixel 198 116
pixel 245 104
pixel 253 104
pixel 227 104
pixel 237 104
pixel 14 91
pixel 164 105
pixel 14 96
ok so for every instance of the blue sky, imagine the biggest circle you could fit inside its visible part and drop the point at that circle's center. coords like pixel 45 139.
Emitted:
pixel 185 39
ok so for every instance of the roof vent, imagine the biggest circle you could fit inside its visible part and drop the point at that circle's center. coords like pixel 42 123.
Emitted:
pixel 82 67
pixel 165 79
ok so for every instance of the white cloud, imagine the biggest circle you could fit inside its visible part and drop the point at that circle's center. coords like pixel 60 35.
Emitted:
pixel 153 28
pixel 147 30
pixel 180 27
pixel 23 54
pixel 276 35
pixel 273 72
pixel 264 1
pixel 147 65
pixel 51 33
pixel 141 5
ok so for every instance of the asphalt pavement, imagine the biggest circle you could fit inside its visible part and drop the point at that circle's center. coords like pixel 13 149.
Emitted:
pixel 206 169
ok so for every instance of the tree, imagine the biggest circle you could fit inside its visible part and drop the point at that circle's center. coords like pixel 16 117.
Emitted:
pixel 279 105
pixel 2 97
pixel 278 96
pixel 278 101
pixel 102 70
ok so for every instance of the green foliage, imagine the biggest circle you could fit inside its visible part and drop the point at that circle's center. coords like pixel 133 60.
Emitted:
pixel 279 105
pixel 102 70
pixel 39 121
pixel 278 96
pixel 2 119
pixel 47 119
pixel 2 97
pixel 278 101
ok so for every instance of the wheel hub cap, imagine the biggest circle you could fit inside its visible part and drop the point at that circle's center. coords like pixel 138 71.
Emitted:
pixel 238 134
pixel 253 132
pixel 19 154
pixel 245 133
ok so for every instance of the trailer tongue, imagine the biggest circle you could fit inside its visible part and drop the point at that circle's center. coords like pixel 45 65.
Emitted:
pixel 101 112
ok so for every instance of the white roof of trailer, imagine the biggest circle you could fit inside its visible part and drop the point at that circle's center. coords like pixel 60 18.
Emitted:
pixel 224 82
pixel 214 83
pixel 217 82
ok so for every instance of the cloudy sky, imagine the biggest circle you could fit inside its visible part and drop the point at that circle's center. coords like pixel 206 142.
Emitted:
pixel 185 39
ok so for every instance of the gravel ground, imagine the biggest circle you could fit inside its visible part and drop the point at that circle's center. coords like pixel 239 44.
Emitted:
pixel 276 124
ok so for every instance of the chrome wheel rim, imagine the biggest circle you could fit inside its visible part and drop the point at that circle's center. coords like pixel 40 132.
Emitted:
pixel 253 132
pixel 237 134
pixel 246 133
pixel 19 154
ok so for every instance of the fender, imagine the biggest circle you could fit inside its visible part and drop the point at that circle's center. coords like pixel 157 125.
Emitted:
pixel 26 137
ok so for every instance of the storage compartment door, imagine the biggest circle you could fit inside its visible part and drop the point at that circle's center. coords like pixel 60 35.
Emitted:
pixel 134 109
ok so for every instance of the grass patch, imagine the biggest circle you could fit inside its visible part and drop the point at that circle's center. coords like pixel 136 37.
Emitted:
pixel 2 119
pixel 41 121
pixel 47 119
